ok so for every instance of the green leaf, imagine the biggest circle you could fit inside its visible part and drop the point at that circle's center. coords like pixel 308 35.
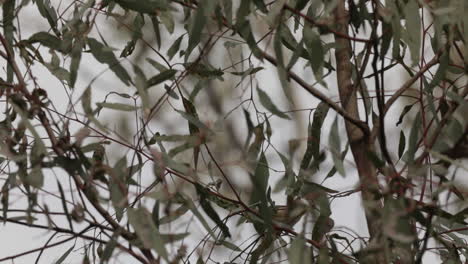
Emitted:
pixel 335 148
pixel 210 211
pixel 313 136
pixel 273 16
pixel 441 72
pixel 63 200
pixel 104 54
pixel 138 24
pixel 406 109
pixel 195 211
pixel 413 140
pixel 193 129
pixel 110 246
pixel 299 252
pixel 47 40
pixel 175 47
pixel 413 27
pixel 65 255
pixel 75 61
pixel 145 7
pixel 173 215
pixel 402 144
pixel 117 106
pixel 167 20
pixel 86 104
pixel 158 66
pixel 315 50
pixel 280 64
pixel 195 121
pixel 48 12
pixel 161 77
pixel 196 28
pixel 260 180
pixel 147 232
pixel 35 177
pixel 230 246
pixel 268 104
pixel 8 10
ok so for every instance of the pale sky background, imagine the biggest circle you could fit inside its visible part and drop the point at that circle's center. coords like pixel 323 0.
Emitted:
pixel 347 212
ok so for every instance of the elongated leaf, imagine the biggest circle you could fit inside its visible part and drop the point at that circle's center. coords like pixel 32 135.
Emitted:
pixel 299 252
pixel 402 144
pixel 413 27
pixel 175 47
pixel 163 76
pixel 8 10
pixel 64 205
pixel 193 129
pixel 75 61
pixel 145 7
pixel 48 12
pixel 110 246
pixel 413 140
pixel 65 255
pixel 210 211
pixel 117 106
pixel 194 120
pixel 281 65
pixel 147 232
pixel 315 51
pixel 313 136
pixel 268 104
pixel 260 181
pixel 47 40
pixel 196 28
pixel 105 55
pixel 335 148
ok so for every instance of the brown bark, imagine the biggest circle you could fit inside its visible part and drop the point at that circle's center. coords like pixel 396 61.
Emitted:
pixel 359 139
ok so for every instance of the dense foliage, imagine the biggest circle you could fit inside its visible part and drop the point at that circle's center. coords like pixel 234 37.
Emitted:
pixel 208 131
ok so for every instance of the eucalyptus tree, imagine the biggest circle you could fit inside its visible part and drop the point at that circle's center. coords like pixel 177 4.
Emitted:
pixel 167 131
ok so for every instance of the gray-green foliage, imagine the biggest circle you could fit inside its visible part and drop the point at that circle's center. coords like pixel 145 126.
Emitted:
pixel 112 107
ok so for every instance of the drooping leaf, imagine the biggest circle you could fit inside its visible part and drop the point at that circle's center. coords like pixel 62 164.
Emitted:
pixel 315 50
pixel 260 180
pixel 196 28
pixel 145 7
pixel 335 148
pixel 161 77
pixel 147 232
pixel 48 12
pixel 175 47
pixel 47 40
pixel 299 252
pixel 413 27
pixel 281 65
pixel 65 255
pixel 313 136
pixel 413 140
pixel 406 109
pixel 193 129
pixel 210 211
pixel 402 144
pixel 75 61
pixel 117 106
pixel 104 54
pixel 269 105
pixel 8 12
pixel 137 26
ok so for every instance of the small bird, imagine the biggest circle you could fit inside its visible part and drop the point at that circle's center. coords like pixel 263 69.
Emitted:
pixel 282 214
pixel 290 216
